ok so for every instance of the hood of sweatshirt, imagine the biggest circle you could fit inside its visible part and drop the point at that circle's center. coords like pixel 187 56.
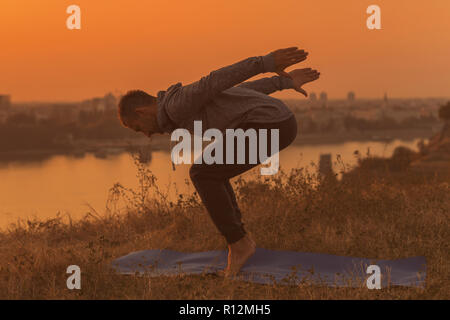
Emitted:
pixel 165 124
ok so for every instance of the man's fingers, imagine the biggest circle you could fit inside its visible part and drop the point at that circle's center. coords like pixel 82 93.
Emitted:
pixel 308 71
pixel 285 74
pixel 289 62
pixel 291 53
pixel 312 74
pixel 297 56
pixel 289 49
pixel 287 57
pixel 297 53
pixel 302 91
pixel 312 78
pixel 302 51
pixel 303 71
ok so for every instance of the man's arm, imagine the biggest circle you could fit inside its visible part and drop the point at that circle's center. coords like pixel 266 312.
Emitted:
pixel 184 101
pixel 269 85
pixel 190 99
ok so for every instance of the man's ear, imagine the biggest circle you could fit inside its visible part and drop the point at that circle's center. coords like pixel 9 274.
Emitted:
pixel 140 111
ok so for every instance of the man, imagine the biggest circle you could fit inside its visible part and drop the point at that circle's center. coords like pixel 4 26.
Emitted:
pixel 223 101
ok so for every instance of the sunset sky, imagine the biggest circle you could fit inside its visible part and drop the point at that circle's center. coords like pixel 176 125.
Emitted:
pixel 150 45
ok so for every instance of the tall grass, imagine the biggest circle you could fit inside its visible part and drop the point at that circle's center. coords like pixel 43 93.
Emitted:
pixel 372 213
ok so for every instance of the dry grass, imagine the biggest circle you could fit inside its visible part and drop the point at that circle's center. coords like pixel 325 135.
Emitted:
pixel 381 216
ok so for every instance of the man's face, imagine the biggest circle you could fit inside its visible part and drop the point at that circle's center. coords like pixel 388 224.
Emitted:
pixel 139 125
pixel 145 121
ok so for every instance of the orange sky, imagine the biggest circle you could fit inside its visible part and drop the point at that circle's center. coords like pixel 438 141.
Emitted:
pixel 152 44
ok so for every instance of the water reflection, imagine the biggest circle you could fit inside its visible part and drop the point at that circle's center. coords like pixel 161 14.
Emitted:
pixel 70 184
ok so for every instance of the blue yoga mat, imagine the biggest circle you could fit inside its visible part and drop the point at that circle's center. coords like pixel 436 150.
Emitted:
pixel 277 267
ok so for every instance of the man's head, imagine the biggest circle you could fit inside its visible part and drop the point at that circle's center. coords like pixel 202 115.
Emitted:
pixel 138 110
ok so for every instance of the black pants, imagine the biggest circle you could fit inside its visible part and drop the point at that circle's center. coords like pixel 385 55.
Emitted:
pixel 212 180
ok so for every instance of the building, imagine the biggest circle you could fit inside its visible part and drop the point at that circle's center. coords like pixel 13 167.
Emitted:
pixel 323 99
pixel 110 102
pixel 325 170
pixel 5 102
pixel 100 104
pixel 385 101
pixel 351 97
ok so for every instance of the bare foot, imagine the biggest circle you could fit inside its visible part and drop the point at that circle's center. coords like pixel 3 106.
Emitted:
pixel 238 253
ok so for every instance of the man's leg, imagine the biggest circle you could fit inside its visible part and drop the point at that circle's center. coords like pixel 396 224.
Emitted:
pixel 213 187
pixel 232 195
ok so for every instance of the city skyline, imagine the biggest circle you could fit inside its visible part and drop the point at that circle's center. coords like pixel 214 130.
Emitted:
pixel 295 97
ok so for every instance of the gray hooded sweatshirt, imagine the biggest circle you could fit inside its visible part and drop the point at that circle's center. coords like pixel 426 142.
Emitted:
pixel 222 100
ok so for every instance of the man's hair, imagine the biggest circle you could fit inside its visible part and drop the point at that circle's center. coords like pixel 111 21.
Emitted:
pixel 132 100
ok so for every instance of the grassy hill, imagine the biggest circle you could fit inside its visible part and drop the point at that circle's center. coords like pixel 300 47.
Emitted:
pixel 381 214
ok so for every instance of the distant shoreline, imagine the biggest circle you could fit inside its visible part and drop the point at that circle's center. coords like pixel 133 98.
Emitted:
pixel 161 142
pixel 378 136
pixel 102 148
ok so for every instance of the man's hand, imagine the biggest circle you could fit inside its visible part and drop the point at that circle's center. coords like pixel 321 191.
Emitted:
pixel 302 76
pixel 287 57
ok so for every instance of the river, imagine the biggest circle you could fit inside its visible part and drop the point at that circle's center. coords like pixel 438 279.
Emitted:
pixel 74 185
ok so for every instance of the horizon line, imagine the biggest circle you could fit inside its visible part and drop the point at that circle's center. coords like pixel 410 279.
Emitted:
pixel 301 99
